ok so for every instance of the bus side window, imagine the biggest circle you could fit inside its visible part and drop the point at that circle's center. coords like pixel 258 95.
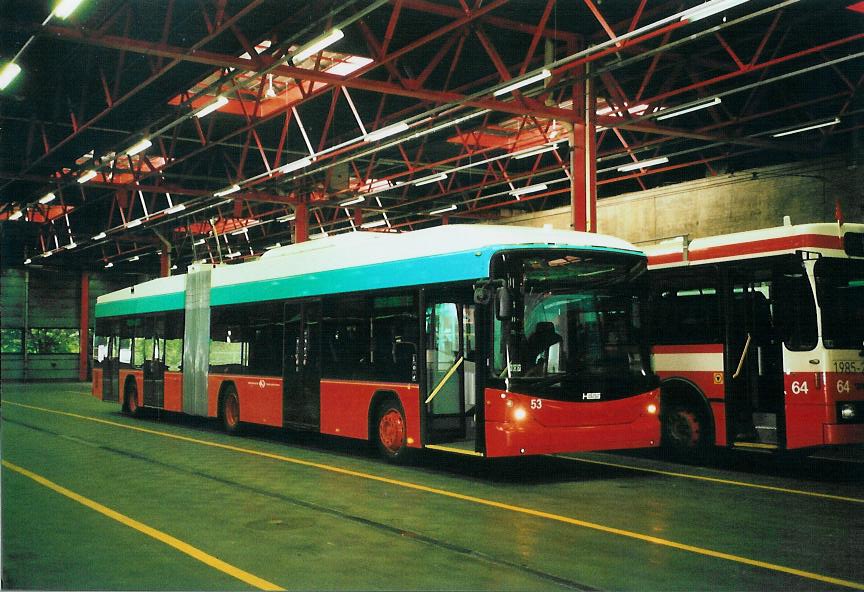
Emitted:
pixel 685 309
pixel 795 308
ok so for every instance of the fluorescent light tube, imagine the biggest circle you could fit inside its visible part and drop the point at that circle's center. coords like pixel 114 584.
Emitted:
pixel 28 261
pixel 544 74
pixel 316 45
pixel 66 7
pixel 351 202
pixel 135 258
pixel 529 189
pixel 233 255
pixel 709 8
pixel 199 242
pixel 8 74
pixel 16 215
pixel 175 209
pixel 217 104
pixel 374 224
pixel 390 130
pixel 134 223
pixel 86 176
pixel 243 230
pixel 139 147
pixel 430 179
pixel 834 121
pixel 296 165
pixel 286 218
pixel 47 253
pixel 71 246
pixel 227 191
pixel 705 105
pixel 271 247
pixel 642 164
pixel 109 265
pixel 534 151
pixel 47 198
pixel 449 208
pixel 99 236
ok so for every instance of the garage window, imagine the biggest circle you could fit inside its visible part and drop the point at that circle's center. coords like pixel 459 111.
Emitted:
pixel 52 341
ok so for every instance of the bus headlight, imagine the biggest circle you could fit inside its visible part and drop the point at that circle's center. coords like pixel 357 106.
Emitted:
pixel 847 411
pixel 651 408
pixel 519 413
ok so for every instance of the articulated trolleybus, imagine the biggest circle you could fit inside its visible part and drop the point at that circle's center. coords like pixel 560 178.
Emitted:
pixel 759 338
pixel 482 340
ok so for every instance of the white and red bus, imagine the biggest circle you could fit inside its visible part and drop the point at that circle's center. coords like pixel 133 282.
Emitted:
pixel 758 338
pixel 483 340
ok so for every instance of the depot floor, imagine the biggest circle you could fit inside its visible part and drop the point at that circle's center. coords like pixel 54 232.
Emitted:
pixel 92 499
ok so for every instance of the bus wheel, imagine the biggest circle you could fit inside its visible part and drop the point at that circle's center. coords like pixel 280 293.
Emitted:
pixel 130 399
pixel 391 433
pixel 683 432
pixel 229 410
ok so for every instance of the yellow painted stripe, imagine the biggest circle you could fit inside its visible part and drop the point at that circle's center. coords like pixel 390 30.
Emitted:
pixel 714 479
pixel 453 449
pixel 194 552
pixel 758 445
pixel 483 502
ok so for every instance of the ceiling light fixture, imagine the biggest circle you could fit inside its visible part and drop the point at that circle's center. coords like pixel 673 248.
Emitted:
pixel 175 209
pixel 66 7
pixel 296 165
pixel 544 74
pixel 135 258
pixel 243 230
pixel 271 247
pixel 47 198
pixel 530 189
pixel 16 215
pixel 430 179
pixel 99 236
pixel 217 104
pixel 227 191
pixel 86 176
pixel 834 121
pixel 384 132
pixel 71 246
pixel 316 45
pixel 233 255
pixel 8 74
pixel 286 218
pixel 696 107
pixel 534 151
pixel 449 208
pixel 47 253
pixel 28 261
pixel 109 265
pixel 355 200
pixel 199 242
pixel 709 8
pixel 134 223
pixel 643 164
pixel 375 224
pixel 138 147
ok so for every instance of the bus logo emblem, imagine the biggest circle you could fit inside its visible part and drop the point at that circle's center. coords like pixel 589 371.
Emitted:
pixel 262 383
pixel 718 378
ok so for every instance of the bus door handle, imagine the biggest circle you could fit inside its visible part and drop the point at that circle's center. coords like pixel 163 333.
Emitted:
pixel 743 355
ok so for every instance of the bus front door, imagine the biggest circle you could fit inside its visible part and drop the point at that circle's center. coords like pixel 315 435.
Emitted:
pixel 754 392
pixel 450 395
pixel 154 368
pixel 110 369
pixel 301 399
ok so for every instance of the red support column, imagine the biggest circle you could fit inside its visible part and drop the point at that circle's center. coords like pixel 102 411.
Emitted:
pixel 358 217
pixel 583 159
pixel 301 223
pixel 164 263
pixel 84 328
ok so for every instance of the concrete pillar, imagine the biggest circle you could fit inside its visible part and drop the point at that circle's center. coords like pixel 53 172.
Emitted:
pixel 84 328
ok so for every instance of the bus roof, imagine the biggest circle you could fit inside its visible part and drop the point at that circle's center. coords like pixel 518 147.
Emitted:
pixel 354 262
pixel 824 238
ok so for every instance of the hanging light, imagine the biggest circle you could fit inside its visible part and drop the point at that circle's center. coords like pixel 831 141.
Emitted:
pixel 86 176
pixel 217 104
pixel 697 107
pixel 834 121
pixel 642 164
pixel 524 82
pixel 316 45
pixel 530 189
pixel 8 74
pixel 99 236
pixel 227 191
pixel 384 132
pixel 138 147
pixel 66 7
pixel 449 208
pixel 430 179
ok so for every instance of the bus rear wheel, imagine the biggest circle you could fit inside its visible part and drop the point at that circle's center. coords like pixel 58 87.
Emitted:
pixel 391 434
pixel 130 399
pixel 229 410
pixel 684 432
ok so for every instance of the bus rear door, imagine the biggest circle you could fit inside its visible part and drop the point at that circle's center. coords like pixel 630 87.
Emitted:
pixel 301 402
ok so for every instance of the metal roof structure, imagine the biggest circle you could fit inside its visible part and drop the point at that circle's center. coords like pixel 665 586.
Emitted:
pixel 211 130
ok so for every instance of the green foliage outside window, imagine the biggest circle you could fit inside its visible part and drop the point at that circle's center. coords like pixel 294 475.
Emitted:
pixel 11 341
pixel 52 341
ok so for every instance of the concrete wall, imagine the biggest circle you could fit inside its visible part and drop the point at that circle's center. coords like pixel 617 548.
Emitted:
pixel 745 200
pixel 46 299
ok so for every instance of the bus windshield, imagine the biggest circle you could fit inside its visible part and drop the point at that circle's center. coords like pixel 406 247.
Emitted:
pixel 576 328
pixel 840 289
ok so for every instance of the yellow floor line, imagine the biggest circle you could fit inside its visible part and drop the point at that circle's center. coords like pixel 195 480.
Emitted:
pixel 714 479
pixel 480 501
pixel 194 552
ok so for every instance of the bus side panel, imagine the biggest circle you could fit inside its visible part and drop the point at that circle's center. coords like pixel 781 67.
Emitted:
pixel 345 407
pixel 97 383
pixel 260 397
pixel 811 416
pixel 173 399
pixel 555 426
pixel 718 408
pixel 138 376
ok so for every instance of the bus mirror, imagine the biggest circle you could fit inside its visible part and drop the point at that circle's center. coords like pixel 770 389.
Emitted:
pixel 505 304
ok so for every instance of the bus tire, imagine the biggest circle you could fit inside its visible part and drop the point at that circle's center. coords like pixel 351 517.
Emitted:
pixel 390 431
pixel 684 432
pixel 229 410
pixel 130 399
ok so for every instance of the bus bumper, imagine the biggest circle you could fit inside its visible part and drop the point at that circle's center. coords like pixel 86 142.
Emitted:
pixel 834 434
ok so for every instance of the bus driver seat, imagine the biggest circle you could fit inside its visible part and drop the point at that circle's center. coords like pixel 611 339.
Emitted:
pixel 537 348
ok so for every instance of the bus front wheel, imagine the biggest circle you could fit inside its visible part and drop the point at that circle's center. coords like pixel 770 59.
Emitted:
pixel 684 431
pixel 391 432
pixel 229 410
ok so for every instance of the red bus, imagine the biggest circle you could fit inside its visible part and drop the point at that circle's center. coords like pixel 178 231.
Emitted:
pixel 481 340
pixel 758 338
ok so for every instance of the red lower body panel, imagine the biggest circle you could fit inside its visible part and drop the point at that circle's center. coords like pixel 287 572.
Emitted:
pixel 260 397
pixel 522 425
pixel 97 383
pixel 173 394
pixel 345 407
